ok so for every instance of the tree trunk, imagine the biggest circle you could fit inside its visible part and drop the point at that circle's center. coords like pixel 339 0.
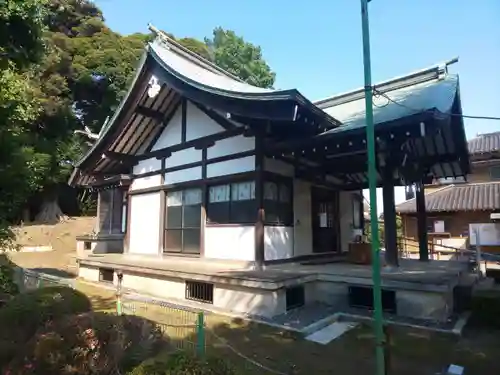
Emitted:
pixel 50 213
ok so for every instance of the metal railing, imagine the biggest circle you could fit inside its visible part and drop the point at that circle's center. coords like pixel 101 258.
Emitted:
pixel 184 326
pixel 29 280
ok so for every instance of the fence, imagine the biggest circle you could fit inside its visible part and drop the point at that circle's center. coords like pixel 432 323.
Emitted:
pixel 29 280
pixel 184 327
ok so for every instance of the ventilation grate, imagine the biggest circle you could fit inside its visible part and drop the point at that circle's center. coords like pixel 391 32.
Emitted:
pixel 362 297
pixel 295 297
pixel 199 291
pixel 106 275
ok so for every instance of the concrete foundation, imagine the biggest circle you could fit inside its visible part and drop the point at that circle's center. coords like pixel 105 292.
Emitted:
pixel 263 292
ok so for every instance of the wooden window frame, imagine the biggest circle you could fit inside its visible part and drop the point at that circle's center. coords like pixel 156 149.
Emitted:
pixel 232 205
pixel 182 228
pixel 278 212
pixel 430 224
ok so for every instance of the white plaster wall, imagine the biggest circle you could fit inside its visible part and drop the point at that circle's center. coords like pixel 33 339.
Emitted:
pixel 146 182
pixel 144 223
pixel 230 146
pixel 172 134
pixel 198 124
pixel 88 273
pixel 302 244
pixel 346 219
pixel 234 243
pixel 190 155
pixel 223 168
pixel 161 287
pixel 278 242
pixel 188 174
pixel 278 167
pixel 251 301
pixel 148 165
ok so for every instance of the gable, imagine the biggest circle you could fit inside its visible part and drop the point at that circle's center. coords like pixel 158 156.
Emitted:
pixel 198 125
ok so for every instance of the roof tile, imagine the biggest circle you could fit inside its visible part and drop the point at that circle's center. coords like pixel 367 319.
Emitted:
pixel 484 143
pixel 453 198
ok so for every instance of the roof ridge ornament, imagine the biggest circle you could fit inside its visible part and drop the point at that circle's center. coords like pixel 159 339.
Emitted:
pixel 160 36
pixel 154 87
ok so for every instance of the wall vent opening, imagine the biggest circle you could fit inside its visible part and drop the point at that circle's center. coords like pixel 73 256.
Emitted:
pixel 106 275
pixel 362 297
pixel 295 297
pixel 200 291
pixel 87 245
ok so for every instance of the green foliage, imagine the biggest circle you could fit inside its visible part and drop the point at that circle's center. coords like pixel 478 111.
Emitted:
pixel 91 343
pixel 24 314
pixel 240 58
pixel 7 282
pixel 183 363
pixel 21 28
pixel 63 69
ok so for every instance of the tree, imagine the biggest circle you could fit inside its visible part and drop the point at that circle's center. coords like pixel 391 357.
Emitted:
pixel 81 79
pixel 21 44
pixel 243 59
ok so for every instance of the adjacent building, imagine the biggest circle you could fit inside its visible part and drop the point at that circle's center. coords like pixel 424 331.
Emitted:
pixel 457 207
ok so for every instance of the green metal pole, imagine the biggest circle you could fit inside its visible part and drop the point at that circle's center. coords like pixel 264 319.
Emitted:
pixel 200 334
pixel 372 182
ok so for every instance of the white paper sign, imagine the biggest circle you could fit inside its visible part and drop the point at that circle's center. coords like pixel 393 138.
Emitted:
pixel 323 222
pixel 439 226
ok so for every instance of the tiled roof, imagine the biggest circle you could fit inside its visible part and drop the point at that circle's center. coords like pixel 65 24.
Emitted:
pixel 484 143
pixel 466 197
pixel 429 89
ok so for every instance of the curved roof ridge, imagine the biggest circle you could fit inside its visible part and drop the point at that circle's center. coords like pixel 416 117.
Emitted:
pixel 194 57
pixel 428 74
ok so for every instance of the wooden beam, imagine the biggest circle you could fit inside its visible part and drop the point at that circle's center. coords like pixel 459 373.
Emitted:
pixel 183 120
pixel 149 112
pixel 226 124
pixel 118 156
pixel 192 143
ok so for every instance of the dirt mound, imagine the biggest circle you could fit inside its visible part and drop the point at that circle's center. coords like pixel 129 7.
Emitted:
pixel 60 236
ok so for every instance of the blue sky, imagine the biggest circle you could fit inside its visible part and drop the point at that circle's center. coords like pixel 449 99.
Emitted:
pixel 315 46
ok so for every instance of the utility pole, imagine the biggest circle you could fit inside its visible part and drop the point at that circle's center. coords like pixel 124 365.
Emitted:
pixel 372 182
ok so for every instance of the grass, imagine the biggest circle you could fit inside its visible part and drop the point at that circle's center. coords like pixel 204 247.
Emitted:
pixel 412 351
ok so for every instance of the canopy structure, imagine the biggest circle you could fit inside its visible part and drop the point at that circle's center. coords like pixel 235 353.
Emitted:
pixel 169 74
pixel 418 126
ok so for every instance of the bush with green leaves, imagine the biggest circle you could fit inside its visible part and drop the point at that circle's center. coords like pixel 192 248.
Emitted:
pixel 183 363
pixel 26 313
pixel 89 343
pixel 8 286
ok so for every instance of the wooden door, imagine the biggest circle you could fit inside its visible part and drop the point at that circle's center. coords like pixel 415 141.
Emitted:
pixel 325 220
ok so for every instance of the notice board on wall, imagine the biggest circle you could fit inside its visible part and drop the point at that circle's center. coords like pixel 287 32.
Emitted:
pixel 488 233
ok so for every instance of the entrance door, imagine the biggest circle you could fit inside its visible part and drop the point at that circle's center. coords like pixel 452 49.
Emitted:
pixel 325 220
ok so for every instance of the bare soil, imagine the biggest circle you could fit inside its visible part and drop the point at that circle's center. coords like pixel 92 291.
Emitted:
pixel 60 236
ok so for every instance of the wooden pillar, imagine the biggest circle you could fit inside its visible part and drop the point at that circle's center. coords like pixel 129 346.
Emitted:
pixel 259 197
pixel 421 222
pixel 163 210
pixel 390 228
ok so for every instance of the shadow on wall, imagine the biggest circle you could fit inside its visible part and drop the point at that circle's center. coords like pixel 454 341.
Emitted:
pixel 278 243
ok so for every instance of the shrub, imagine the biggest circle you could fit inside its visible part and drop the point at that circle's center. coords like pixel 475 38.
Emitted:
pixel 24 314
pixel 8 286
pixel 183 363
pixel 90 343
